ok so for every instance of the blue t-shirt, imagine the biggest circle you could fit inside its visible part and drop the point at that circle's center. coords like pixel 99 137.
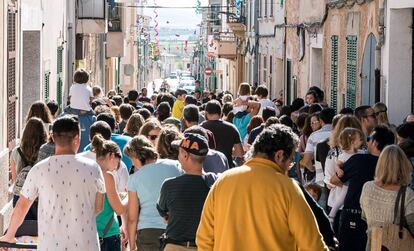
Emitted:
pixel 147 182
pixel 254 133
pixel 121 141
pixel 241 120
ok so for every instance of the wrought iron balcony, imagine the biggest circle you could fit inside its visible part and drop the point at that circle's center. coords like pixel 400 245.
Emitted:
pixel 236 16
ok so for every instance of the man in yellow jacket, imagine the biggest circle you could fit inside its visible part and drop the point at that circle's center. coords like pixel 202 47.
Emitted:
pixel 257 206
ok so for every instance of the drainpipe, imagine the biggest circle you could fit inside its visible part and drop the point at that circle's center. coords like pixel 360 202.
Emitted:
pixel 285 61
pixel 378 49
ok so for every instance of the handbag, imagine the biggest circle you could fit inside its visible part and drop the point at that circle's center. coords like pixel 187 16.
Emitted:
pixel 394 237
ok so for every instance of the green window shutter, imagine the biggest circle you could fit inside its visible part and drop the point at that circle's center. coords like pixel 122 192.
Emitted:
pixel 46 87
pixel 59 69
pixel 351 70
pixel 334 72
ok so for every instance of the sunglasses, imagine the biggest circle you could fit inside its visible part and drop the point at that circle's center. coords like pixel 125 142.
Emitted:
pixel 152 137
pixel 369 138
pixel 378 113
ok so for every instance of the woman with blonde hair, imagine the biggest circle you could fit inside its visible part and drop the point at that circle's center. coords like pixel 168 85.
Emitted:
pixel 145 226
pixel 378 198
pixel 134 125
pixel 380 110
pixel 151 130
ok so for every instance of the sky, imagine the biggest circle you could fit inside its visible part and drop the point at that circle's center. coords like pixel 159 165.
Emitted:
pixel 176 18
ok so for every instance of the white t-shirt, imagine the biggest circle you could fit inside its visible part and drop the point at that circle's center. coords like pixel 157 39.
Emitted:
pixel 265 103
pixel 121 175
pixel 66 186
pixel 80 95
pixel 315 138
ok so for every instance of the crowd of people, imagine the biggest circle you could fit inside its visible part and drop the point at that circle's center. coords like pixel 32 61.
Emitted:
pixel 205 171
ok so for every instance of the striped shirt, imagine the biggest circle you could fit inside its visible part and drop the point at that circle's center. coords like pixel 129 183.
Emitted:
pixel 182 199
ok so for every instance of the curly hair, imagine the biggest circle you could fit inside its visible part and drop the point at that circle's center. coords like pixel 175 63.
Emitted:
pixel 140 148
pixel 164 148
pixel 274 138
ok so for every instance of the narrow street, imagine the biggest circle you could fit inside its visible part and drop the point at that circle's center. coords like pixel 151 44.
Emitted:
pixel 321 91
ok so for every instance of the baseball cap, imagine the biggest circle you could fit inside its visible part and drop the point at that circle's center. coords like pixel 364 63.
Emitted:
pixel 193 143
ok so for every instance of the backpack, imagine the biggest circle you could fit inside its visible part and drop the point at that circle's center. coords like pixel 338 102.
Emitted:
pixel 21 176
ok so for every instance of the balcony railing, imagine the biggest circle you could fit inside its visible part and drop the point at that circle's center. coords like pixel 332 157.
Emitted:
pixel 236 11
pixel 114 19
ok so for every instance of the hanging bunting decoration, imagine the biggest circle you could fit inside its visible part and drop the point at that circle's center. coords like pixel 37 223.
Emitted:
pixel 156 33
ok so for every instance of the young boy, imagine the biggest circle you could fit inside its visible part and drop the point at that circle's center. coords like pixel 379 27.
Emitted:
pixel 80 93
pixel 177 111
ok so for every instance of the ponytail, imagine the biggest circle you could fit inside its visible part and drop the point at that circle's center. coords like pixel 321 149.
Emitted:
pixel 102 147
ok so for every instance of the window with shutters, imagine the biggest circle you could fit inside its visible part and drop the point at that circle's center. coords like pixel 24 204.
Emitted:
pixel 334 72
pixel 46 86
pixel 351 70
pixel 11 75
pixel 59 70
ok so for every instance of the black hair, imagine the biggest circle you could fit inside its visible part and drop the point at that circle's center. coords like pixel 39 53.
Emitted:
pixel 102 128
pixel 227 108
pixel 297 104
pixel 327 115
pixel 66 124
pixel 213 107
pixel 53 107
pixel 144 113
pixel 314 94
pixel 190 113
pixel 262 91
pixel 406 130
pixel 64 129
pixel 315 108
pixel 197 130
pixel 361 111
pixel 166 97
pixel 118 100
pixel 133 95
pixel 287 121
pixel 180 91
pixel 149 107
pixel 285 110
pixel 268 112
pixel 347 111
pixel 190 100
pixel 384 136
pixel 320 95
pixel 274 138
pixel 163 111
pixel 108 118
pixel 126 111
pixel 300 121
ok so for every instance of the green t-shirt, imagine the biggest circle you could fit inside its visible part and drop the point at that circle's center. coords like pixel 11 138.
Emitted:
pixel 103 218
